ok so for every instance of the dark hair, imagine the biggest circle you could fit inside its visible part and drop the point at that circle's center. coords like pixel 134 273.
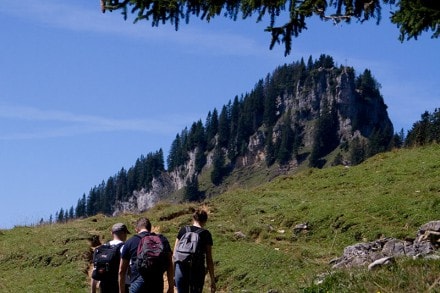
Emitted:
pixel 143 223
pixel 200 216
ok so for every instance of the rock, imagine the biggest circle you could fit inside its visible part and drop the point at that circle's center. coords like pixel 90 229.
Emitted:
pixel 384 250
pixel 239 235
pixel 380 262
pixel 301 227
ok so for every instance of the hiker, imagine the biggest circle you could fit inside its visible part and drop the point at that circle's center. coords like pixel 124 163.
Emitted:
pixel 189 272
pixel 152 282
pixel 106 267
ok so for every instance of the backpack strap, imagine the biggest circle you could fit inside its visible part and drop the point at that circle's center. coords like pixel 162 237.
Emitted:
pixel 198 230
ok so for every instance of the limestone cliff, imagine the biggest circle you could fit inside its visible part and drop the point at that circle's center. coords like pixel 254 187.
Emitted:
pixel 327 109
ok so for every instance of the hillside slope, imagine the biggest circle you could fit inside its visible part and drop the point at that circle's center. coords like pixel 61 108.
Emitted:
pixel 391 194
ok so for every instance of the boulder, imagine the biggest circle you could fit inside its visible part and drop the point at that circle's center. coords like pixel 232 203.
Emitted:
pixel 384 250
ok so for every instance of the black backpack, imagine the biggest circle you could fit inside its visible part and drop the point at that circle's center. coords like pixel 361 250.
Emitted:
pixel 188 249
pixel 106 260
pixel 150 255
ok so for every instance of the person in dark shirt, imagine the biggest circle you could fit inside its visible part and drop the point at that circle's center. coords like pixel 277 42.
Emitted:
pixel 153 283
pixel 190 277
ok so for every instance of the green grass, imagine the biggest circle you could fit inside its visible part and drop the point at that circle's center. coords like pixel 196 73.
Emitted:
pixel 391 194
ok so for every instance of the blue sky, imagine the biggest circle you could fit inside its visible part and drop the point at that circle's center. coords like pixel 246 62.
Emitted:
pixel 83 94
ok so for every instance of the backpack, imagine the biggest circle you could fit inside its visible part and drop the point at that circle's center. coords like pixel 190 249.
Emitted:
pixel 106 261
pixel 187 249
pixel 150 255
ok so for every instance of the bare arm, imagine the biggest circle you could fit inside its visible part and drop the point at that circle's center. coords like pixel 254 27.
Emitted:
pixel 210 266
pixel 123 266
pixel 94 285
pixel 175 244
pixel 172 262
pixel 170 273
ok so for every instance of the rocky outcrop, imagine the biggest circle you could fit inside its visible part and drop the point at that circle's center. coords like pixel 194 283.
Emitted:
pixel 335 90
pixel 383 251
pixel 300 104
pixel 144 199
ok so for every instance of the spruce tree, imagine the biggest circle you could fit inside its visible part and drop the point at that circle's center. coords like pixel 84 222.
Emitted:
pixel 80 210
pixel 357 151
pixel 325 137
pixel 191 191
pixel 286 143
pixel 211 127
pixel 270 149
pixel 224 127
pixel 270 96
pixel 60 218
pixel 218 164
pixel 175 154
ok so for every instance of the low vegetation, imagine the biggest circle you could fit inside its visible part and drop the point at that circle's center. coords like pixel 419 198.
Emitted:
pixel 256 249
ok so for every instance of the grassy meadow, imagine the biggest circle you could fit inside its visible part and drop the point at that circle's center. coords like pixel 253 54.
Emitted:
pixel 389 195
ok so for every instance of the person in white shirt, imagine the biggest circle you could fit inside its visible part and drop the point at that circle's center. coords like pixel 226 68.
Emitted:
pixel 119 234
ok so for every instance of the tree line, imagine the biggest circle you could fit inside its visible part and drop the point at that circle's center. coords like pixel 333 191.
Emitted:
pixel 120 187
pixel 425 131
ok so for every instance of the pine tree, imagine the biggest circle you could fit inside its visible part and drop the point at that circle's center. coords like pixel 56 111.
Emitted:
pixel 270 96
pixel 218 164
pixel 109 196
pixel 200 159
pixel 310 63
pixel 418 134
pixel 80 210
pixel 235 114
pixel 71 213
pixel 121 185
pixel 174 155
pixel 92 202
pixel 325 137
pixel 60 216
pixel 224 127
pixel 270 149
pixel 379 141
pixel 398 139
pixel 286 144
pixel 192 192
pixel 211 127
pixel 325 61
pixel 357 151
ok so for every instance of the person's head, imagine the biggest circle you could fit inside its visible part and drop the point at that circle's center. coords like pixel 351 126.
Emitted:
pixel 200 216
pixel 143 224
pixel 120 231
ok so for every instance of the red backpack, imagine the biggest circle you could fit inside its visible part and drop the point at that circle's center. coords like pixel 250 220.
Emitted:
pixel 150 255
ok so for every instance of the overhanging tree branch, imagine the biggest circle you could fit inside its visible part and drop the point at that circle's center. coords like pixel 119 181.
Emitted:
pixel 412 16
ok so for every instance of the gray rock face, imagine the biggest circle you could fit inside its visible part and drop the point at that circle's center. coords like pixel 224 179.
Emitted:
pixel 426 244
